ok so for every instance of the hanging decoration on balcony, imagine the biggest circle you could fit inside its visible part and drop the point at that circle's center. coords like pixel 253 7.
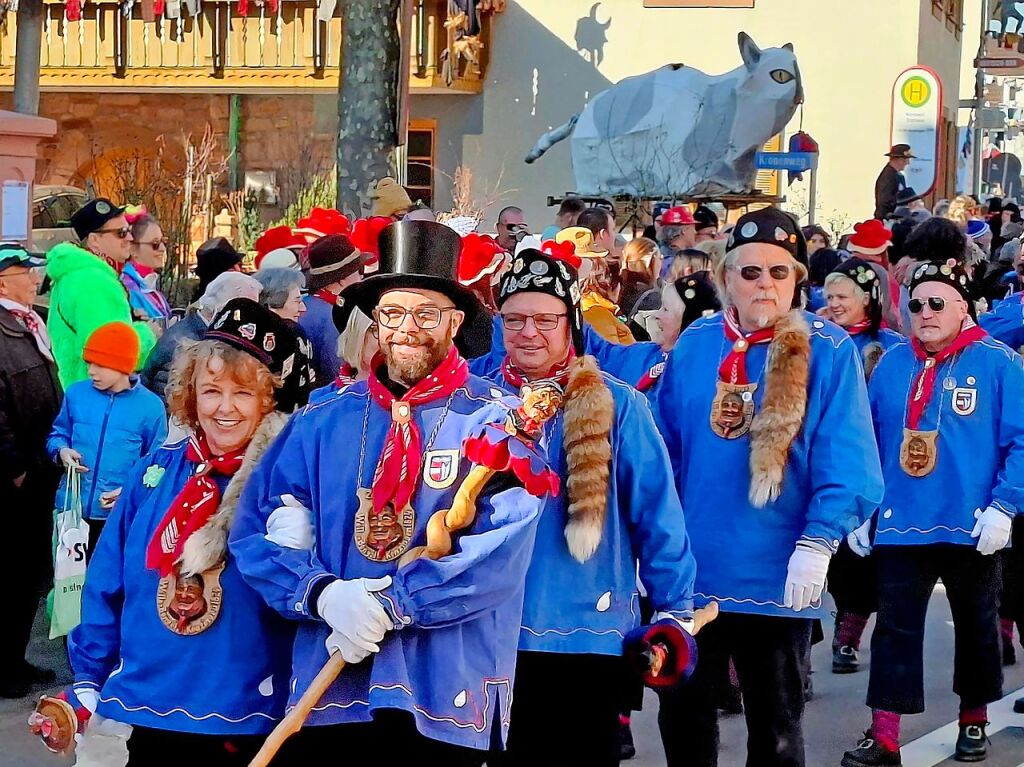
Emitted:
pixel 243 6
pixel 8 5
pixel 73 10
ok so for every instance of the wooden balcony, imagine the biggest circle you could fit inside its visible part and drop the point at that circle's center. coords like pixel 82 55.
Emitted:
pixel 219 50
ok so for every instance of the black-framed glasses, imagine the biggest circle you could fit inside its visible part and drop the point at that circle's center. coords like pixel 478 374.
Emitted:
pixel 426 317
pixel 154 244
pixel 543 321
pixel 935 303
pixel 121 232
pixel 753 273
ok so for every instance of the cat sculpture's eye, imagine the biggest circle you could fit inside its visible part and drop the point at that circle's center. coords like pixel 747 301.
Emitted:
pixel 782 76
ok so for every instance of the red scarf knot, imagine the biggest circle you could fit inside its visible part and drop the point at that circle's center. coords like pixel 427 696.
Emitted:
pixel 733 369
pixel 397 472
pixel 651 376
pixel 923 388
pixel 858 327
pixel 327 297
pixel 198 500
pixel 346 376
pixel 558 373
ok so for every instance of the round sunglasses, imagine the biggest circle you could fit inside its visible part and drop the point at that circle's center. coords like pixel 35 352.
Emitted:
pixel 935 303
pixel 752 273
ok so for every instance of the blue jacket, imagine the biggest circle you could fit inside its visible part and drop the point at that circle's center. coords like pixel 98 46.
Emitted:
pixel 452 666
pixel 832 481
pixel 884 340
pixel 976 406
pixel 231 679
pixel 111 431
pixel 1006 321
pixel 627 363
pixel 318 325
pixel 588 608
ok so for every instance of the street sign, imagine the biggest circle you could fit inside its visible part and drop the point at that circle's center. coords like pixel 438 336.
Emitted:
pixel 995 63
pixel 992 119
pixel 797 162
pixel 1000 60
pixel 917 121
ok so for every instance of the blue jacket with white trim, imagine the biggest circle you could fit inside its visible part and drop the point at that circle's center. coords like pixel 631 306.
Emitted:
pixel 976 407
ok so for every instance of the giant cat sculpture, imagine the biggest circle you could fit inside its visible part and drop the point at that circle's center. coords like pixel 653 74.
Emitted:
pixel 677 131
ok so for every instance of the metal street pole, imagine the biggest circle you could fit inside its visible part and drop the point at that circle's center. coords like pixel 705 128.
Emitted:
pixel 26 56
pixel 979 104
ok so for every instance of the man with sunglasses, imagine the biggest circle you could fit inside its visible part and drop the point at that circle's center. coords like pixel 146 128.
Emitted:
pixel 617 507
pixel 29 402
pixel 86 290
pixel 332 526
pixel 946 407
pixel 764 410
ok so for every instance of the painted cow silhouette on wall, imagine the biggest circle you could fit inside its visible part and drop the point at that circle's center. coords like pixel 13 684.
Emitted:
pixel 677 131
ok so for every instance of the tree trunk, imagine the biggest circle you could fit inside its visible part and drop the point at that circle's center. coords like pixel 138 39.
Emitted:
pixel 26 57
pixel 367 99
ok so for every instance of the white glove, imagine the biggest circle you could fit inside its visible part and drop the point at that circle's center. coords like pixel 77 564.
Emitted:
pixel 685 623
pixel 805 579
pixel 859 540
pixel 358 620
pixel 290 526
pixel 992 530
pixel 88 696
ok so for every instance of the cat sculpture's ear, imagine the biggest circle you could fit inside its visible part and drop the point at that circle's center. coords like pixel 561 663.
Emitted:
pixel 749 51
pixel 788 47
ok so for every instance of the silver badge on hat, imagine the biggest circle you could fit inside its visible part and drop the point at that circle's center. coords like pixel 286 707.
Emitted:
pixel 749 230
pixel 102 208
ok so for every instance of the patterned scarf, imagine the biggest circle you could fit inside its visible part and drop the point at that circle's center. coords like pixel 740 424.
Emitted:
pixel 651 376
pixel 924 383
pixel 858 327
pixel 193 506
pixel 394 480
pixel 33 323
pixel 558 373
pixel 733 369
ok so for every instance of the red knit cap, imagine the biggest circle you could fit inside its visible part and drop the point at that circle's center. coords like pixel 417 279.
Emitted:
pixel 115 346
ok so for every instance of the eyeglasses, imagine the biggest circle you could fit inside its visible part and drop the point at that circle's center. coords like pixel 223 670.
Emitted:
pixel 517 322
pixel 35 271
pixel 425 317
pixel 935 303
pixel 121 233
pixel 752 273
pixel 155 244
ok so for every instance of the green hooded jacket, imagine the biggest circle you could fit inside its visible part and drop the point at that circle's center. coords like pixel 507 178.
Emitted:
pixel 86 294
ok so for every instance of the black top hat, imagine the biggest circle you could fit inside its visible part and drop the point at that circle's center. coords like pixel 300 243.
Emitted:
pixel 907 195
pixel 93 215
pixel 277 343
pixel 706 218
pixel 900 152
pixel 417 254
pixel 214 257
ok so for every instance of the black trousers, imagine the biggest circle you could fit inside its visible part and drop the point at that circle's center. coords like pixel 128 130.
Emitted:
pixel 163 748
pixel 853 582
pixel 391 738
pixel 906 577
pixel 771 657
pixel 1011 605
pixel 26 566
pixel 95 528
pixel 565 711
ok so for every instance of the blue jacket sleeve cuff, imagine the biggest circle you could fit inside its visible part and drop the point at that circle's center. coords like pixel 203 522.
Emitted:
pixel 828 545
pixel 389 602
pixel 305 603
pixel 1007 508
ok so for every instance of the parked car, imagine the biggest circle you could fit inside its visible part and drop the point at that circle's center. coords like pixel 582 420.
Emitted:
pixel 52 207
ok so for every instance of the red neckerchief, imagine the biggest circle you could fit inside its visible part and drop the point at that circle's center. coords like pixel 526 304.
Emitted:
pixel 397 473
pixel 327 296
pixel 924 383
pixel 559 373
pixel 858 327
pixel 734 367
pixel 651 376
pixel 346 376
pixel 193 506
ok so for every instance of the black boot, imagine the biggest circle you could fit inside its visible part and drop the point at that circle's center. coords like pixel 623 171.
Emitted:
pixel 971 745
pixel 626 748
pixel 1009 654
pixel 845 660
pixel 870 753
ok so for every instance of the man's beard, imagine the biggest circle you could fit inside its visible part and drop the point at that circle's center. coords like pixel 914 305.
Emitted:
pixel 410 371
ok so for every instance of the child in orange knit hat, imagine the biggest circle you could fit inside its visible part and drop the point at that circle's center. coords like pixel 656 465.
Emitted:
pixel 106 424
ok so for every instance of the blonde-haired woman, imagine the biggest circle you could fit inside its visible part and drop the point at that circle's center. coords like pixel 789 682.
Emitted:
pixel 600 291
pixel 641 260
pixel 961 210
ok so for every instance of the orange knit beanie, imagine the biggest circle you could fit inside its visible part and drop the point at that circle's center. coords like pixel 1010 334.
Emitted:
pixel 114 345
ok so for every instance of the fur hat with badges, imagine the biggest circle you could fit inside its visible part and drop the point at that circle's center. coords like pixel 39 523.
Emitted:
pixel 257 331
pixel 952 273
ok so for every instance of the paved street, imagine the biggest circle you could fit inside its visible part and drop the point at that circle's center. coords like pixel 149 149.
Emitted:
pixel 834 718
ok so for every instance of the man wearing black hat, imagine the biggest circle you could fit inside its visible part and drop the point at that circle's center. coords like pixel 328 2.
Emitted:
pixel 617 507
pixel 86 290
pixel 29 401
pixel 890 181
pixel 367 470
pixel 334 264
pixel 214 257
pixel 765 413
pixel 951 436
pixel 707 223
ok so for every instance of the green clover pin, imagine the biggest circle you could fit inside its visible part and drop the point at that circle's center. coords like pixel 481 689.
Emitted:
pixel 153 476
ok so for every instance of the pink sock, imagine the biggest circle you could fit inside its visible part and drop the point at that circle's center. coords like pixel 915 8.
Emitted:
pixel 885 729
pixel 851 627
pixel 1006 629
pixel 970 716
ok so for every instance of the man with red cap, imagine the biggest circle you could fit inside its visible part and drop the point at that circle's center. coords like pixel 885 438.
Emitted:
pixel 678 232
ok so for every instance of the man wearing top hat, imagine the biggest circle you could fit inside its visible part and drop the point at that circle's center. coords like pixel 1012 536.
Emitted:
pixel 764 411
pixel 334 264
pixel 890 181
pixel 86 290
pixel 429 634
pixel 618 508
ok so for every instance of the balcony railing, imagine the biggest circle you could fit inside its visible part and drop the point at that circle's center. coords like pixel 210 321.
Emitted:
pixel 219 49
